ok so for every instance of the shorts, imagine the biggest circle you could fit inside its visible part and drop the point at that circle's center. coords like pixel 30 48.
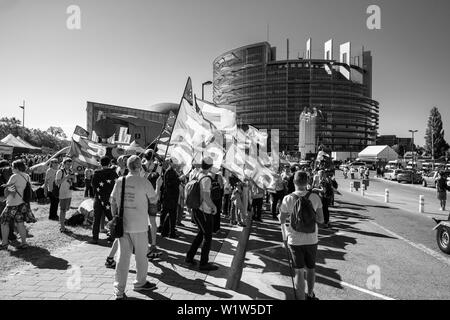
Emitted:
pixel 18 214
pixel 442 195
pixel 64 204
pixel 303 256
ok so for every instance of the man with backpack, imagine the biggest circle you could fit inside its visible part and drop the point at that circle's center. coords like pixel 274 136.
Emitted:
pixel 300 212
pixel 198 198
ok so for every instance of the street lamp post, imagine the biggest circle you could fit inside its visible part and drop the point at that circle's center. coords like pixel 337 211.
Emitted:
pixel 413 147
pixel 23 113
pixel 207 83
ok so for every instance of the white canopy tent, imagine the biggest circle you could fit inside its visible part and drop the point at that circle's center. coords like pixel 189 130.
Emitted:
pixel 385 153
pixel 6 149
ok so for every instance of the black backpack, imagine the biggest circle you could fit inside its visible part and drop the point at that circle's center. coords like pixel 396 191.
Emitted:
pixel 27 192
pixel 303 218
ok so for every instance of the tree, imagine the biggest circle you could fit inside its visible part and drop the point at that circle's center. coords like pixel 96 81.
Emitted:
pixel 434 131
pixel 400 149
pixel 35 137
pixel 11 122
pixel 57 132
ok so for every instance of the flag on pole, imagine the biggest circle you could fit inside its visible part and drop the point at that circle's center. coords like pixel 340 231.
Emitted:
pixel 222 117
pixel 164 137
pixel 86 152
pixel 81 132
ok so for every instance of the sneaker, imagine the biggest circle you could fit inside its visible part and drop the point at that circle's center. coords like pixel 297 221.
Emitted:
pixel 110 263
pixel 312 297
pixel 208 267
pixel 148 286
pixel 190 262
pixel 122 297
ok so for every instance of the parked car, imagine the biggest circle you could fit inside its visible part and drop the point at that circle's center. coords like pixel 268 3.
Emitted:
pixel 429 179
pixel 357 164
pixel 409 176
pixel 391 174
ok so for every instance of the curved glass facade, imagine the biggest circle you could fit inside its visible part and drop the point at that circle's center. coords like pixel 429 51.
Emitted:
pixel 271 94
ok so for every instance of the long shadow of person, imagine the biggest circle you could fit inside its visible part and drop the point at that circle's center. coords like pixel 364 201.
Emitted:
pixel 196 286
pixel 41 258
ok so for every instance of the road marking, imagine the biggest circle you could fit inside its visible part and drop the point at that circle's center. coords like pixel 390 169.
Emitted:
pixel 341 283
pixel 419 246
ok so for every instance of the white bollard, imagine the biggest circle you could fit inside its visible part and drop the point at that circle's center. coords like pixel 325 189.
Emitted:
pixel 351 187
pixel 363 192
pixel 386 195
pixel 421 203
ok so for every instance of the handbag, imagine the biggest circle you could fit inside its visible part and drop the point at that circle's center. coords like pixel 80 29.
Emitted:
pixel 116 224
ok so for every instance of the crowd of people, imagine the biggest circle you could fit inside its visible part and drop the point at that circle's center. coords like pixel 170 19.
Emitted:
pixel 153 187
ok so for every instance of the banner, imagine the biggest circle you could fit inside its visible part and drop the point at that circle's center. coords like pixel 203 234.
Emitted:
pixel 81 132
pixel 86 152
pixel 222 117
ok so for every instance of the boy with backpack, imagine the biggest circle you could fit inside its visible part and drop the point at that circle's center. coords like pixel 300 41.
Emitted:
pixel 300 212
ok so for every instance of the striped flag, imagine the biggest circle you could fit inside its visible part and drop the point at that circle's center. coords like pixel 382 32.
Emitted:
pixel 86 152
pixel 164 137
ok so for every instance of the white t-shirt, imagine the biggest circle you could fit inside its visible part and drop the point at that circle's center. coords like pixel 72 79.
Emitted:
pixel 20 182
pixel 137 191
pixel 64 188
pixel 298 238
pixel 205 185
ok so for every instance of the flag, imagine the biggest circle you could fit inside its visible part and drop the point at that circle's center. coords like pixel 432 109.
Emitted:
pixel 222 117
pixel 164 137
pixel 86 152
pixel 81 132
pixel 188 95
pixel 122 134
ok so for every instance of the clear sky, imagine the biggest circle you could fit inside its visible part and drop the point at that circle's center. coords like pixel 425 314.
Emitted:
pixel 139 52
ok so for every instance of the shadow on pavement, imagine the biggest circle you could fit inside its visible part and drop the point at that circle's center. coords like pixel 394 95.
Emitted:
pixel 41 258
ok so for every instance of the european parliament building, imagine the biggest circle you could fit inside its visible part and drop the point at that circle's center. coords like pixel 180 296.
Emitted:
pixel 271 94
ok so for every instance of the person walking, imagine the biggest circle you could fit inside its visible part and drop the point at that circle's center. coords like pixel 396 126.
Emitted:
pixel 302 246
pixel 138 192
pixel 16 208
pixel 64 180
pixel 103 181
pixel 88 188
pixel 277 196
pixel 217 187
pixel 441 188
pixel 226 194
pixel 257 201
pixel 325 189
pixel 204 219
pixel 49 184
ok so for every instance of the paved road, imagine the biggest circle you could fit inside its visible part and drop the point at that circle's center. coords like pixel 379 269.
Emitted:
pixel 373 251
